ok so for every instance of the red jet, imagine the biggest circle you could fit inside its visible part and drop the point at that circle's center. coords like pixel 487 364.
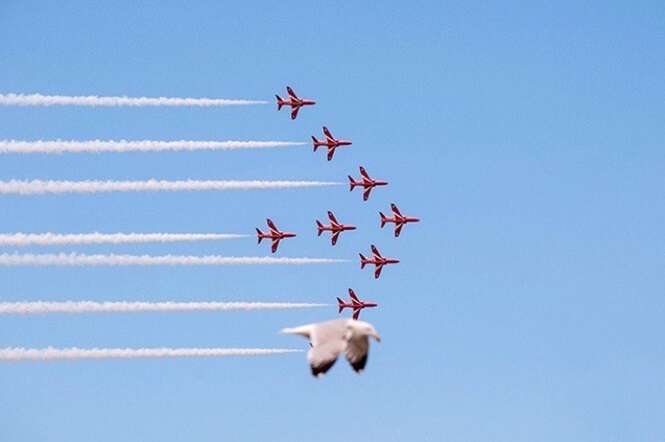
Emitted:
pixel 355 304
pixel 378 261
pixel 366 182
pixel 273 234
pixel 398 219
pixel 293 101
pixel 335 227
pixel 330 142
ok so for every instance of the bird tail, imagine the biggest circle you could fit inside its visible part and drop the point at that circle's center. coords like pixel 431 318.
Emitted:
pixel 303 330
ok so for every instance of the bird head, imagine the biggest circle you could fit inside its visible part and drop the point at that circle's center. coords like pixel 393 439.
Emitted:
pixel 363 328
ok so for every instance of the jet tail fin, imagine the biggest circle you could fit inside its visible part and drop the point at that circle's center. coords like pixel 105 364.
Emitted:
pixel 319 227
pixel 352 183
pixel 280 102
pixel 340 305
pixel 315 143
pixel 259 235
pixel 383 219
pixel 363 261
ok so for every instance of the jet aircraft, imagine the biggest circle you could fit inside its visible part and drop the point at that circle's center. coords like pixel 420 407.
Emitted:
pixel 330 142
pixel 293 101
pixel 365 182
pixel 355 304
pixel 378 261
pixel 335 227
pixel 398 219
pixel 273 234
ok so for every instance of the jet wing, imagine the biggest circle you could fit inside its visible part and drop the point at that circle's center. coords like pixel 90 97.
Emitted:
pixel 395 210
pixel 377 271
pixel 272 226
pixel 364 173
pixel 366 193
pixel 294 112
pixel 375 251
pixel 334 237
pixel 275 244
pixel 356 313
pixel 353 296
pixel 398 229
pixel 332 218
pixel 327 133
pixel 331 153
pixel 291 93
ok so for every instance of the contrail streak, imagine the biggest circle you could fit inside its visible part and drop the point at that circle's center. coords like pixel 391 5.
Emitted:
pixel 52 354
pixel 74 259
pixel 45 307
pixel 51 239
pixel 35 187
pixel 95 101
pixel 98 146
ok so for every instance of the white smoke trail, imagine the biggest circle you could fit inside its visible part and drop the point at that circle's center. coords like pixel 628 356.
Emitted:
pixel 95 101
pixel 50 239
pixel 51 354
pixel 74 259
pixel 45 307
pixel 41 187
pixel 98 146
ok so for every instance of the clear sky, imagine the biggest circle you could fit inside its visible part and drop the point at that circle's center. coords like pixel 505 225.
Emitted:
pixel 528 136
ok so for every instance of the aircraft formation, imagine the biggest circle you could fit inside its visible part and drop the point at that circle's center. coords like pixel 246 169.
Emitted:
pixel 335 227
pixel 328 340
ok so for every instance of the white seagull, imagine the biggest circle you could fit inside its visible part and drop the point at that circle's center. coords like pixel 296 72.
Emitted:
pixel 331 338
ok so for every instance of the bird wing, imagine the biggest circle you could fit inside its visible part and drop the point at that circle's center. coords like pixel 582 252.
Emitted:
pixel 329 339
pixel 322 357
pixel 357 351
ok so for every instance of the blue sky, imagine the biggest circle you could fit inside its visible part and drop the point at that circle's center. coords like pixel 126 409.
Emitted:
pixel 527 136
